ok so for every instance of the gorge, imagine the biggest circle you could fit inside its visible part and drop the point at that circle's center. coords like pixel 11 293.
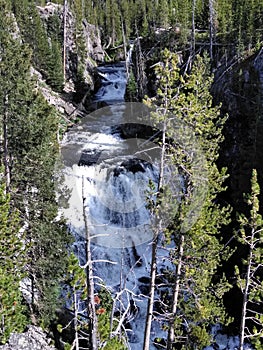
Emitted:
pixel 123 220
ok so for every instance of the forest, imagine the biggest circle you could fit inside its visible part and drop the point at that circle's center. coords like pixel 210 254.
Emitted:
pixel 196 68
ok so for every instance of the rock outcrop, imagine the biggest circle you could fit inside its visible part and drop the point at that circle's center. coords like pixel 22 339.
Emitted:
pixel 33 339
pixel 90 37
pixel 239 88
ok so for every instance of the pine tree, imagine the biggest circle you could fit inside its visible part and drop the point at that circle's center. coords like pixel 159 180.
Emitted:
pixel 33 156
pixel 249 278
pixel 55 76
pixel 31 133
pixel 33 32
pixel 12 260
pixel 163 14
pixel 225 20
pixel 195 230
pixel 76 287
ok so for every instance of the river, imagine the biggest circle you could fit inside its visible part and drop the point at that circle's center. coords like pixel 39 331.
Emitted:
pixel 106 167
pixel 101 168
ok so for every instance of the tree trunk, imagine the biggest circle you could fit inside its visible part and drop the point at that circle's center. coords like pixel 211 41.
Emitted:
pixel 125 48
pixel 140 75
pixel 147 332
pixel 193 28
pixel 6 149
pixel 246 293
pixel 93 326
pixel 211 27
pixel 171 335
pixel 123 32
pixel 76 340
pixel 65 12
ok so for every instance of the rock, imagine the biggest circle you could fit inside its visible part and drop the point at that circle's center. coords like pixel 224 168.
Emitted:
pixel 62 105
pixel 144 279
pixel 92 42
pixel 88 157
pixel 239 88
pixel 33 339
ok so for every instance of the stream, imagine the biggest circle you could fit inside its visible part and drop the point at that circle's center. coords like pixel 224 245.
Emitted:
pixel 106 169
pixel 102 170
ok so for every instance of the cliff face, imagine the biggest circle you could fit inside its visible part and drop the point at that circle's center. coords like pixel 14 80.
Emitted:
pixel 240 90
pixel 71 102
pixel 91 41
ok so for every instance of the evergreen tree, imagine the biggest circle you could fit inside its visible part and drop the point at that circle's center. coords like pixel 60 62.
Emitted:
pixel 249 278
pixel 113 21
pixel 163 14
pixel 55 76
pixel 33 32
pixel 33 156
pixel 225 20
pixel 12 261
pixel 46 43
pixel 196 294
pixel 76 285
pixel 31 127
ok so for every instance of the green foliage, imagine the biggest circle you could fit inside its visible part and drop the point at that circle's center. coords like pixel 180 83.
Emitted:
pixel 55 68
pixel 33 156
pixel 45 42
pixel 238 24
pixel 78 10
pixel 131 89
pixel 76 276
pixel 197 243
pixel 32 127
pixel 12 260
pixel 250 280
pixel 107 341
pixel 76 280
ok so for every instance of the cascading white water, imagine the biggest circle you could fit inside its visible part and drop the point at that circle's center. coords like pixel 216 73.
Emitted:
pixel 99 163
pixel 113 83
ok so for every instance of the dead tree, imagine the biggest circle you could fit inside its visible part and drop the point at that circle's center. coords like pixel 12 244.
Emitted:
pixel 212 27
pixel 176 290
pixel 140 74
pixel 65 13
pixel 250 283
pixel 156 231
pixel 6 148
pixel 93 324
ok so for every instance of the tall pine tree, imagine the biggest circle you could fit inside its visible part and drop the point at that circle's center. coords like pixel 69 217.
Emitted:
pixel 30 128
pixel 12 261
pixel 249 277
pixel 194 233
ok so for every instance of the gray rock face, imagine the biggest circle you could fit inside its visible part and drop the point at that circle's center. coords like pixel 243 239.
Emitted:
pixel 239 87
pixel 91 36
pixel 33 339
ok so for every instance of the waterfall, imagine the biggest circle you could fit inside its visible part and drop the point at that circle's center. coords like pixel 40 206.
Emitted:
pixel 115 185
pixel 113 83
pixel 113 80
pixel 102 158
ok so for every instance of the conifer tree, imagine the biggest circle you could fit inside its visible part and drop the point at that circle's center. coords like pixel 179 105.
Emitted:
pixel 31 133
pixel 55 76
pixel 196 297
pixel 249 277
pixel 12 261
pixel 32 32
pixel 76 285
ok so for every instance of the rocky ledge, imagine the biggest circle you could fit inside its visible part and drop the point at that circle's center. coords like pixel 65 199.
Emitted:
pixel 33 339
